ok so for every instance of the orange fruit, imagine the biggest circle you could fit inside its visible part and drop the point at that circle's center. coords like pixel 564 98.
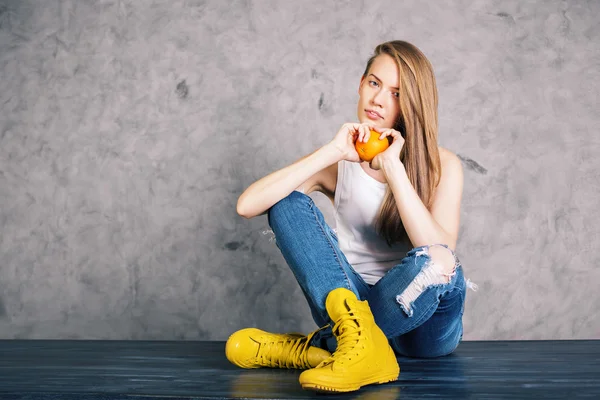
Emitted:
pixel 367 151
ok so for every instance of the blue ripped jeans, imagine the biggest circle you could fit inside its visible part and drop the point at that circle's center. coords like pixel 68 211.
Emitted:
pixel 420 319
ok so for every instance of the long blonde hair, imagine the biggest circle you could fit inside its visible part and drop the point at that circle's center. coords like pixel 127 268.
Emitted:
pixel 418 124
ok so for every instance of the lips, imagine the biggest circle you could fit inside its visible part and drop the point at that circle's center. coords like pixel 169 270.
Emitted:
pixel 373 114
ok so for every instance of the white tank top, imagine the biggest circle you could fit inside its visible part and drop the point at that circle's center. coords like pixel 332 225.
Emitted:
pixel 357 200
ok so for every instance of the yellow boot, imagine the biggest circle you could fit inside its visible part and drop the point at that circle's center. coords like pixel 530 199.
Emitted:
pixel 253 348
pixel 363 354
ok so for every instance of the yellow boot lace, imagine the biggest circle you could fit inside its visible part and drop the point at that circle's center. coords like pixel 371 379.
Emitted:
pixel 284 353
pixel 349 333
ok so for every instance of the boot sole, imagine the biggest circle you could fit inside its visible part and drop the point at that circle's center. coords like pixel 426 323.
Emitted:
pixel 330 389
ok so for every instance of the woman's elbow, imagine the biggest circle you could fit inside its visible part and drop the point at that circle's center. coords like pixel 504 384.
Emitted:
pixel 241 210
pixel 244 211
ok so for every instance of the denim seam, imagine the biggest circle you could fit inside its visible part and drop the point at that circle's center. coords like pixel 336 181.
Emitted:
pixel 331 246
pixel 463 298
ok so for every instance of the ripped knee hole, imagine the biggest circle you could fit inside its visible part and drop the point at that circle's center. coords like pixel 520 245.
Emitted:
pixel 438 270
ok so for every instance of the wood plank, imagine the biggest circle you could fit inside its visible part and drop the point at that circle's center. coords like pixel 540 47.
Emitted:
pixel 91 370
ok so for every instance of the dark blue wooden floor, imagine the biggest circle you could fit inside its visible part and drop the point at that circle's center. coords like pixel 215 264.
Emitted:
pixel 135 370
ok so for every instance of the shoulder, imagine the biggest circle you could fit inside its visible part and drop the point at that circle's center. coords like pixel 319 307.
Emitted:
pixel 451 166
pixel 448 159
pixel 446 156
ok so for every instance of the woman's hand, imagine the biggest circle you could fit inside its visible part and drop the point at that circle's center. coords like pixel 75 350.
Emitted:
pixel 346 138
pixel 392 153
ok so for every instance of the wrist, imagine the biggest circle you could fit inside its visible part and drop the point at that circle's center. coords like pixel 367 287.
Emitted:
pixel 392 167
pixel 333 151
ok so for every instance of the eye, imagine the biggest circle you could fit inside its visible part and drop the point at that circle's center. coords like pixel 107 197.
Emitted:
pixel 396 94
pixel 373 83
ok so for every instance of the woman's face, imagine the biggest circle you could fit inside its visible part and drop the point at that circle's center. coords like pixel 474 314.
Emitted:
pixel 378 93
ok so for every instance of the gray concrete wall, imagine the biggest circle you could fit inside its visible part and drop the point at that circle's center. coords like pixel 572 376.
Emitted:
pixel 128 129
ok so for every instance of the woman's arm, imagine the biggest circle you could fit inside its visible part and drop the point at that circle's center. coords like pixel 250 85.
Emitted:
pixel 310 172
pixel 264 193
pixel 441 225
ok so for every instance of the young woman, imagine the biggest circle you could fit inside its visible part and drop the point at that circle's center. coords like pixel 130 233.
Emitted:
pixel 388 281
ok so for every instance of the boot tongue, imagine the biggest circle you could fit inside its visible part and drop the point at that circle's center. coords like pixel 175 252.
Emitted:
pixel 338 303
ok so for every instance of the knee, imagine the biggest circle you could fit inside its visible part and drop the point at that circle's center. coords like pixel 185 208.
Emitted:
pixel 442 260
pixel 292 200
pixel 289 210
pixel 438 270
pixel 283 206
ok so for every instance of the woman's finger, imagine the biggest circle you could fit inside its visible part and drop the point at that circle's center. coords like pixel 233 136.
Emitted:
pixel 368 127
pixel 385 133
pixel 367 133
pixel 394 133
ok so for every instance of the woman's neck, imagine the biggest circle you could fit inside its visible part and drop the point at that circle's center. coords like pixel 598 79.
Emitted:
pixel 373 173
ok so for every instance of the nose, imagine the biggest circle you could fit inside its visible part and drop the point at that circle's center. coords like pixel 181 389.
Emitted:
pixel 376 100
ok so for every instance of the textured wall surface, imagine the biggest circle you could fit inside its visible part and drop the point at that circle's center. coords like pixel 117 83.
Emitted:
pixel 128 129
